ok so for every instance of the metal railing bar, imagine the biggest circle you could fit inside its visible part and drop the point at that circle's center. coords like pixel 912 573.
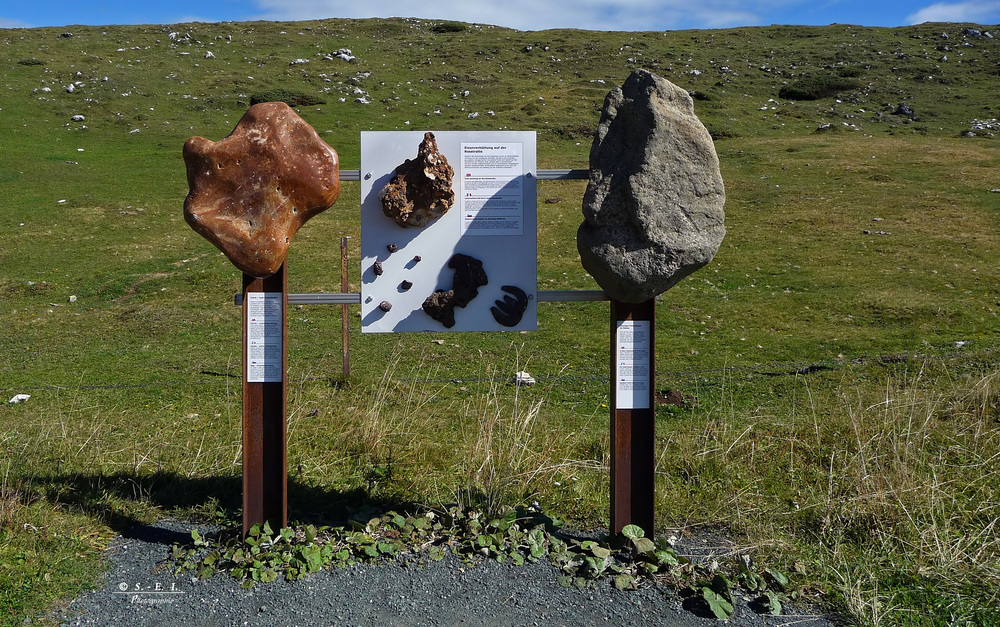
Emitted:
pixel 354 298
pixel 542 175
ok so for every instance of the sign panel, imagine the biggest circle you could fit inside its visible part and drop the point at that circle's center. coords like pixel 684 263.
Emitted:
pixel 492 198
pixel 632 376
pixel 483 249
pixel 264 337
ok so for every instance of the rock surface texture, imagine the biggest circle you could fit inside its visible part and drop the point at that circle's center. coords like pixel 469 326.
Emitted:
pixel 653 209
pixel 420 190
pixel 509 311
pixel 251 191
pixel 469 277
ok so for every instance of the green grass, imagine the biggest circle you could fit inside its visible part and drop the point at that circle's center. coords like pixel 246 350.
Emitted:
pixel 857 255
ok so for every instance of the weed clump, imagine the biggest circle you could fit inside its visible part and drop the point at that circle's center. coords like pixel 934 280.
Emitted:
pixel 817 87
pixel 450 27
pixel 287 96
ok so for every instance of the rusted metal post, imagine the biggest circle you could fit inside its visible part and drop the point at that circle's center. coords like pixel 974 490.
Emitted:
pixel 265 453
pixel 632 415
pixel 344 311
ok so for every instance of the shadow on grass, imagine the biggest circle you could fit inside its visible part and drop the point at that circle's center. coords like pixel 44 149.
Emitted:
pixel 127 502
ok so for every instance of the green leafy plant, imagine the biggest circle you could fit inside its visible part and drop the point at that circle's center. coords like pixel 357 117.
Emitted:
pixel 518 537
pixel 718 603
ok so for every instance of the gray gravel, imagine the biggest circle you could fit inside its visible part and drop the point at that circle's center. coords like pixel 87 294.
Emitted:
pixel 140 589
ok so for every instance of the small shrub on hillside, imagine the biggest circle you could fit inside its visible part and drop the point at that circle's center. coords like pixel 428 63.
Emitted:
pixel 817 87
pixel 576 131
pixel 30 62
pixel 531 109
pixel 721 133
pixel 850 72
pixel 449 27
pixel 289 97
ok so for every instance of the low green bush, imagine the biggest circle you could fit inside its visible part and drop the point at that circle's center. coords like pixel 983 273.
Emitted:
pixel 450 27
pixel 288 96
pixel 817 87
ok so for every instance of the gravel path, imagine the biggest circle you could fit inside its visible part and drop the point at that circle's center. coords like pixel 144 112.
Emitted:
pixel 140 589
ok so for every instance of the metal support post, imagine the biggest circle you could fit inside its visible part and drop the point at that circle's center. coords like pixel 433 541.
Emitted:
pixel 632 415
pixel 265 453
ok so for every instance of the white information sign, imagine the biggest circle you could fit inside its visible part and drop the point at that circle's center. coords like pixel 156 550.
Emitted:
pixel 632 377
pixel 264 362
pixel 492 221
pixel 492 196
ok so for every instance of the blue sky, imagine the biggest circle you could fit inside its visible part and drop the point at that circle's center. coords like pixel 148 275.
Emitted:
pixel 520 14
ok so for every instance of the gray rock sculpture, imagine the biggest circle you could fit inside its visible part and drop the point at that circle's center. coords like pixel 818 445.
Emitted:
pixel 653 209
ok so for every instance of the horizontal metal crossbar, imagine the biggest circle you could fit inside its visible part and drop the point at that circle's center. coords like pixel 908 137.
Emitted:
pixel 543 175
pixel 354 298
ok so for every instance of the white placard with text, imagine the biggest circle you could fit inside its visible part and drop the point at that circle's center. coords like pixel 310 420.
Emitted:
pixel 632 353
pixel 264 363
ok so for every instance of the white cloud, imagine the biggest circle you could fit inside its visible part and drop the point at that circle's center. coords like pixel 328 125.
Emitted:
pixel 628 15
pixel 726 19
pixel 7 23
pixel 977 12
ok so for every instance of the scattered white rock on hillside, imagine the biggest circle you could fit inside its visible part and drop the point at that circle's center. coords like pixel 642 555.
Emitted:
pixel 985 125
pixel 523 378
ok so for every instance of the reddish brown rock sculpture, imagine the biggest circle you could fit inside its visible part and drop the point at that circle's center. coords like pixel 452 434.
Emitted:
pixel 420 189
pixel 251 191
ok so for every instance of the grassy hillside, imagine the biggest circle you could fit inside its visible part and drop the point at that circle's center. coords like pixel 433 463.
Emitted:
pixel 838 355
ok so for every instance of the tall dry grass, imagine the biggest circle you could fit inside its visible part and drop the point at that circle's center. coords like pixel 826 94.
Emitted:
pixel 484 443
pixel 915 490
pixel 502 456
pixel 882 487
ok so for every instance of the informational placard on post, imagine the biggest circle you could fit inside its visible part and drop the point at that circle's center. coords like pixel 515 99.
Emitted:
pixel 264 362
pixel 492 198
pixel 632 377
pixel 470 268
